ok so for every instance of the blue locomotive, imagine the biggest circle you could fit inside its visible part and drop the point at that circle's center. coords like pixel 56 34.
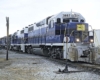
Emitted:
pixel 65 35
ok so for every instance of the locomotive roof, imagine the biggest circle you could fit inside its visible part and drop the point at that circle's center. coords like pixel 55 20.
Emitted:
pixel 60 15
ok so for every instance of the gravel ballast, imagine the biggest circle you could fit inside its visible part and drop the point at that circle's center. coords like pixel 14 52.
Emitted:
pixel 22 66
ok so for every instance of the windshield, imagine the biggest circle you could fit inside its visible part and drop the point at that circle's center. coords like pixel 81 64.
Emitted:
pixel 82 35
pixel 70 20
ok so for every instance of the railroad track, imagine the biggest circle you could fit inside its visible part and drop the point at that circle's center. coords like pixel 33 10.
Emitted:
pixel 80 65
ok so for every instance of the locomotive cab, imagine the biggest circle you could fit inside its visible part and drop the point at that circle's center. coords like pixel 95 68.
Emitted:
pixel 79 40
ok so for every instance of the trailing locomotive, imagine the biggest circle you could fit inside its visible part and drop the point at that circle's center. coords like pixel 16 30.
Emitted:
pixel 3 42
pixel 65 35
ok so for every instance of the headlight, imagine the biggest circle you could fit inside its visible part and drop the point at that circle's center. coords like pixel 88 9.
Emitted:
pixel 91 40
pixel 77 40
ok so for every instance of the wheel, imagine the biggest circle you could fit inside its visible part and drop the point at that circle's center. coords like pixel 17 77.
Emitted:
pixel 45 52
pixel 19 49
pixel 54 56
pixel 56 53
pixel 29 50
pixel 59 54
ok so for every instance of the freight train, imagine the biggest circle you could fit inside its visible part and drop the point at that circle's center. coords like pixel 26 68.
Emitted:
pixel 64 35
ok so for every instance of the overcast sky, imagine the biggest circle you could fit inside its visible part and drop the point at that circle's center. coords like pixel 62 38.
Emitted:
pixel 25 12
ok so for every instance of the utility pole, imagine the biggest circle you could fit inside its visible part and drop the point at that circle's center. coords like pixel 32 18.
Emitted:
pixel 7 24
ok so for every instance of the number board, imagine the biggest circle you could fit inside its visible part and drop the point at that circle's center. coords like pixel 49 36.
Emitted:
pixel 70 15
pixel 80 27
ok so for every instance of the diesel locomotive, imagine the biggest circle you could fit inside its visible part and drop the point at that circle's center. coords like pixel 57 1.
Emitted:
pixel 65 35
